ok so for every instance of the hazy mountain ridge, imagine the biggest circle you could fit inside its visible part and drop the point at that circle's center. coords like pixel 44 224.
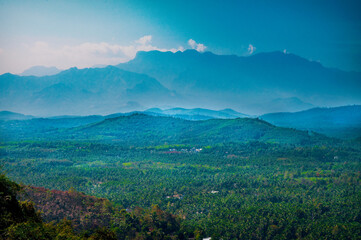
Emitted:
pixel 340 122
pixel 248 82
pixel 260 83
pixel 284 104
pixel 7 116
pixel 197 113
pixel 82 92
pixel 344 122
pixel 172 112
pixel 40 71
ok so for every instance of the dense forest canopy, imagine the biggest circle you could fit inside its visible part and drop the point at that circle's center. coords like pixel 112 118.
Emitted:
pixel 249 190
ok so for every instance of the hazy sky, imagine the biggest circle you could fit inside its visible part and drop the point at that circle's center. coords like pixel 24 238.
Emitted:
pixel 86 33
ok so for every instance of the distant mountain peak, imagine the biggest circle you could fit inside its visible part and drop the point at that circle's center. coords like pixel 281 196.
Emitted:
pixel 248 82
pixel 83 91
pixel 281 56
pixel 343 122
pixel 40 71
pixel 187 52
pixel 8 115
pixel 197 113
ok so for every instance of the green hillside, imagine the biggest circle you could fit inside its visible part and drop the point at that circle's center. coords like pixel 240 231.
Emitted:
pixel 141 129
pixel 144 130
pixel 74 215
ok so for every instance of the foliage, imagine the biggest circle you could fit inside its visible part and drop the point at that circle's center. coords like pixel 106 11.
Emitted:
pixel 144 130
pixel 19 220
pixel 250 191
pixel 225 179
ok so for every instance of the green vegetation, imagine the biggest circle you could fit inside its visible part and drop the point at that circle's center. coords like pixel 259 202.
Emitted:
pixel 225 179
pixel 250 191
pixel 89 218
pixel 144 130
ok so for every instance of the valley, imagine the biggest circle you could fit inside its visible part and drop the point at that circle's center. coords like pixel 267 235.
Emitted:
pixel 223 178
pixel 180 120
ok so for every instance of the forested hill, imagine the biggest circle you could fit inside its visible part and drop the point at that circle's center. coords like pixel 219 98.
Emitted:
pixel 74 215
pixel 141 129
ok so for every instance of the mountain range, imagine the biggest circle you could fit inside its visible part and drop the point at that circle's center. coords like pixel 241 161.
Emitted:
pixel 8 116
pixel 196 113
pixel 82 92
pixel 249 84
pixel 142 129
pixel 40 71
pixel 340 122
pixel 260 83
pixel 183 113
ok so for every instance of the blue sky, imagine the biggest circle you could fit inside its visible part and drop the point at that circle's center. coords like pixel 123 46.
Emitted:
pixel 86 33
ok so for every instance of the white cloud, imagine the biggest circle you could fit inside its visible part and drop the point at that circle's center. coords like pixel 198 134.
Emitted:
pixel 82 55
pixel 201 47
pixel 197 46
pixel 192 43
pixel 251 49
pixel 144 40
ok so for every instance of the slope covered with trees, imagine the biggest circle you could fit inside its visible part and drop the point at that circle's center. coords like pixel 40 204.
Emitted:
pixel 249 191
pixel 141 129
pixel 73 215
pixel 222 178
